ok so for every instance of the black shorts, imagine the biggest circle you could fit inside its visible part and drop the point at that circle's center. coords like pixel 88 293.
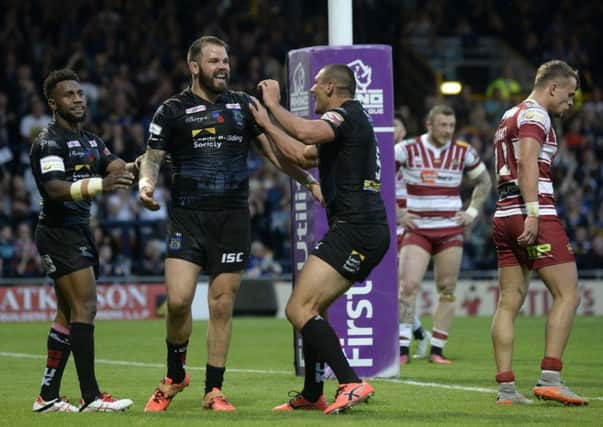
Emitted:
pixel 353 249
pixel 218 241
pixel 65 250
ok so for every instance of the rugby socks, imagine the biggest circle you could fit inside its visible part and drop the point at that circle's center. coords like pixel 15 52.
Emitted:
pixel 417 329
pixel 214 377
pixel 176 361
pixel 506 377
pixel 314 371
pixel 58 349
pixel 438 341
pixel 82 346
pixel 551 371
pixel 321 338
pixel 405 334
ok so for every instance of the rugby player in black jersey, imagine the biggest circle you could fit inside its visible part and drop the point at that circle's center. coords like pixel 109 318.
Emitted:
pixel 207 130
pixel 71 166
pixel 344 142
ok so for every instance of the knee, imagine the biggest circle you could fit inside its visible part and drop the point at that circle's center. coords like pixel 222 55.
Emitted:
pixel 512 301
pixel 84 311
pixel 295 315
pixel 221 306
pixel 409 288
pixel 178 306
pixel 571 298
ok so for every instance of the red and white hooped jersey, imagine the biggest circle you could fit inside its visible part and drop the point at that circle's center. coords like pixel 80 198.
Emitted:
pixel 400 186
pixel 433 178
pixel 528 119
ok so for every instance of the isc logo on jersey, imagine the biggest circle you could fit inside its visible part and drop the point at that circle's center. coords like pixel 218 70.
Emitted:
pixel 371 99
pixel 300 97
pixel 232 257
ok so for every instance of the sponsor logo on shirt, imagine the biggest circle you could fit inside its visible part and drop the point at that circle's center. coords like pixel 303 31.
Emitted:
pixel 195 109
pixel 429 176
pixel 73 144
pixel 52 164
pixel 155 129
pixel 333 117
pixel 235 106
pixel 93 143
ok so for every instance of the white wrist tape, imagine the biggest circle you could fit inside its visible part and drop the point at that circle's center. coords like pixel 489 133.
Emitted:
pixel 309 181
pixel 85 189
pixel 532 208
pixel 472 212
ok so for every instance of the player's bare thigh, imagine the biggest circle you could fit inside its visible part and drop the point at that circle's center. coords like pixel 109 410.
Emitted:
pixel 412 265
pixel 560 279
pixel 181 280
pixel 317 286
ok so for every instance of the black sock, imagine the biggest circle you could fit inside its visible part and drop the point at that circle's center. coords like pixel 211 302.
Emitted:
pixel 214 377
pixel 321 337
pixel 58 348
pixel 436 350
pixel 314 371
pixel 418 333
pixel 403 350
pixel 82 346
pixel 176 361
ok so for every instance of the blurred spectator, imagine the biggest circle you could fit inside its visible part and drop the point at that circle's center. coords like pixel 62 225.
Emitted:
pixel 27 259
pixel 32 123
pixel 261 261
pixel 7 251
pixel 506 85
pixel 152 263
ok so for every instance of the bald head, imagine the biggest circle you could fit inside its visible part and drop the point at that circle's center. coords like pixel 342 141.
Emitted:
pixel 343 77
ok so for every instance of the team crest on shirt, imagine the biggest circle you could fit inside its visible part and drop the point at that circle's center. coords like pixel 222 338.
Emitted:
pixel 352 264
pixel 176 242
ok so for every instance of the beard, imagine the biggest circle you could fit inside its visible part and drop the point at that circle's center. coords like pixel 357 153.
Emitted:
pixel 207 82
pixel 71 117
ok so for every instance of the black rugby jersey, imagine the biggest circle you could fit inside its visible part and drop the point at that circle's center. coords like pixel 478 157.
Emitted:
pixel 350 167
pixel 209 143
pixel 59 153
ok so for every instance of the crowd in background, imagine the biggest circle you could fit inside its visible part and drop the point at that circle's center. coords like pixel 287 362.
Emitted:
pixel 130 56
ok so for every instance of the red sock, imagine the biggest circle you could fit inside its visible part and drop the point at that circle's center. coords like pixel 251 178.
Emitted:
pixel 551 364
pixel 505 377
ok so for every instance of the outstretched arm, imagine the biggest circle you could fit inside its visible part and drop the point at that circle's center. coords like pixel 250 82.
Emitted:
pixel 309 132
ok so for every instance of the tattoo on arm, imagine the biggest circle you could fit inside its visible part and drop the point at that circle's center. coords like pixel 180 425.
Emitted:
pixel 151 163
pixel 481 190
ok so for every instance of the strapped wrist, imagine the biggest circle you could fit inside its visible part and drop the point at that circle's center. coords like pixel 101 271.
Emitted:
pixel 309 181
pixel 85 189
pixel 472 212
pixel 532 209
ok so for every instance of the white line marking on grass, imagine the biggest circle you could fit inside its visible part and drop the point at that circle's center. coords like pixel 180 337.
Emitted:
pixel 271 372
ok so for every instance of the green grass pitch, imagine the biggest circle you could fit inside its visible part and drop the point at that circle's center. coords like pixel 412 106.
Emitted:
pixel 131 354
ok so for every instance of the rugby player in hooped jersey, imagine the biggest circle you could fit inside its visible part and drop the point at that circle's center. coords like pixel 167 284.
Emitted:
pixel 344 142
pixel 529 235
pixel 207 130
pixel 434 221
pixel 71 166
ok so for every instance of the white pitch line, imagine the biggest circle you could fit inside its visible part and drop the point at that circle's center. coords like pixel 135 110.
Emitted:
pixel 271 372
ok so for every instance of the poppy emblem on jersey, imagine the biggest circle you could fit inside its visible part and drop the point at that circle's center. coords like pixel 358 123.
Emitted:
pixel 429 176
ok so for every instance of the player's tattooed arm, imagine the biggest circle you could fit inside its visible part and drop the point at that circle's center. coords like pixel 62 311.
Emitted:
pixel 149 172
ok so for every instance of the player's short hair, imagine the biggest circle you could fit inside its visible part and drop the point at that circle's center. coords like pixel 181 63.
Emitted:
pixel 439 109
pixel 57 76
pixel 197 46
pixel 343 76
pixel 552 70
